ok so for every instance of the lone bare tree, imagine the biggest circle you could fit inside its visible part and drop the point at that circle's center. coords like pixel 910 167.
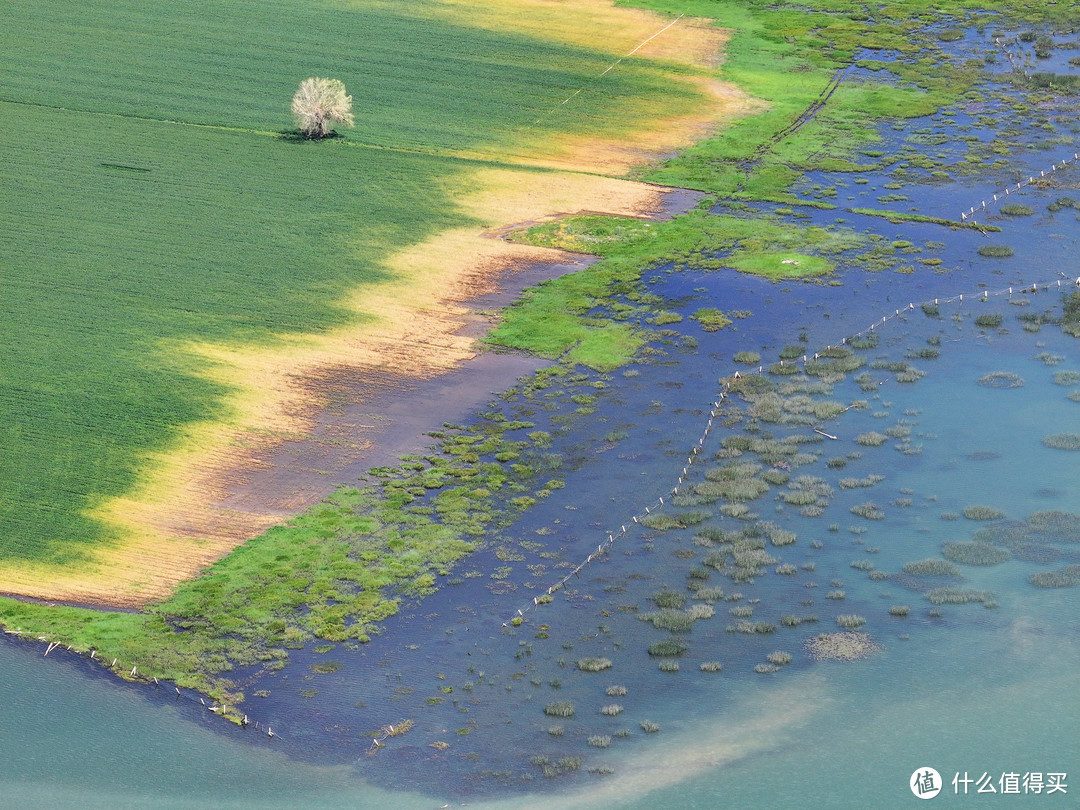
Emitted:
pixel 318 104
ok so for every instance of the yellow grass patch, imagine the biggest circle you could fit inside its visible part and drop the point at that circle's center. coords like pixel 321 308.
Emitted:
pixel 597 24
pixel 179 520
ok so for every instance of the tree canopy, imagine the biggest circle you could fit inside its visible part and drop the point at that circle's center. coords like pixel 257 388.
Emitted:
pixel 320 103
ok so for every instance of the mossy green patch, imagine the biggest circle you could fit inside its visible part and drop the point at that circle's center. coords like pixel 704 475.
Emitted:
pixel 781 265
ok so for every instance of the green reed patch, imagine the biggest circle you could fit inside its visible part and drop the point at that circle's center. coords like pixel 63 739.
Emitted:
pixel 1016 210
pixel 989 320
pixel 711 319
pixel 668 647
pixel 675 621
pixel 871 439
pixel 669 598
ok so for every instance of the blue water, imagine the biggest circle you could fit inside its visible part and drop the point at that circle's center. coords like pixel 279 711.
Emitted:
pixel 971 689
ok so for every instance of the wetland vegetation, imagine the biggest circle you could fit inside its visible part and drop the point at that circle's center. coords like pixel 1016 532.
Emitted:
pixel 340 571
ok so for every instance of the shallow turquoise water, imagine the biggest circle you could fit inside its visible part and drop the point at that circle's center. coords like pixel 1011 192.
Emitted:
pixel 976 689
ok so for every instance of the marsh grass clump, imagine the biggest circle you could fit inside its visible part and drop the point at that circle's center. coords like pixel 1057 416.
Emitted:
pixel 742 611
pixel 996 251
pixel 562 708
pixel 899 610
pixel 1016 210
pixel 765 669
pixel 910 375
pixel 612 710
pixel 974 553
pixel 877 576
pixel 960 596
pixel 787 569
pixel 669 598
pixel 836 595
pixel 593 664
pixel 779 658
pixel 1001 380
pixel 856 483
pixel 775 477
pixel 747 358
pixel 978 512
pixel 599 741
pixel 699 611
pixel 660 522
pixel 868 510
pixel 751 628
pixel 556 731
pixel 850 621
pixel 616 691
pixel 871 439
pixel 674 621
pixel 709 594
pixel 780 537
pixel 649 727
pixel 924 353
pixel 930 567
pixel 743 489
pixel 738 511
pixel 710 666
pixel 326 667
pixel 988 320
pixel 669 666
pixel 1062 441
pixel 1067 577
pixel 1067 378
pixel 668 647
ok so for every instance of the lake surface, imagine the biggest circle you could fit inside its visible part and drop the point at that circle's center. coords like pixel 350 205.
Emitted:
pixel 985 687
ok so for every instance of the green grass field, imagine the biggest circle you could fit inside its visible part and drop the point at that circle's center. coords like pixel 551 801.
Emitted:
pixel 153 196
